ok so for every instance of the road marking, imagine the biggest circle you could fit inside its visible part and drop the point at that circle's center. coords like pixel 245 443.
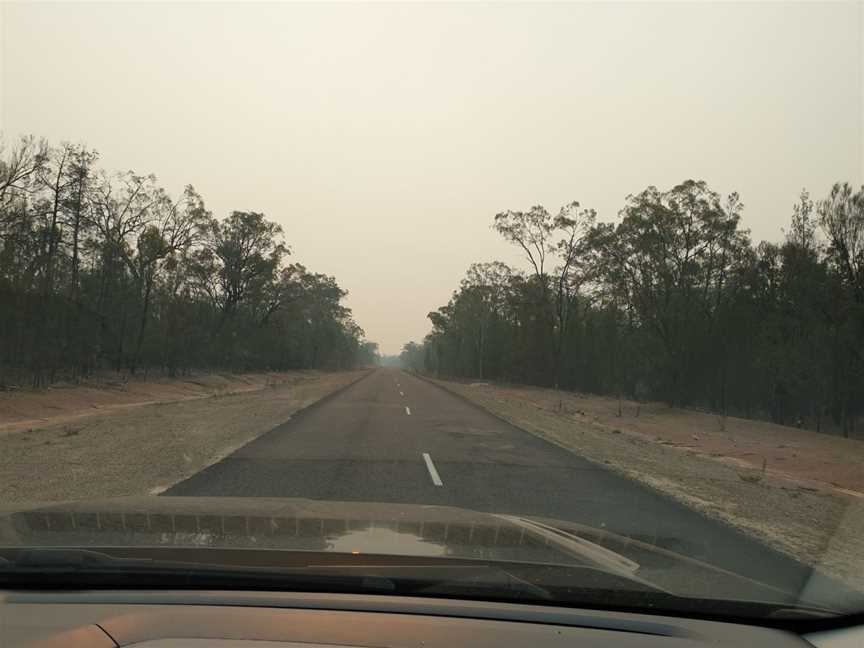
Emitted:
pixel 433 473
pixel 401 393
pixel 408 410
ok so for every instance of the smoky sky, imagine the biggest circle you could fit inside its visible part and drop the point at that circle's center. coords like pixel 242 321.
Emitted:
pixel 384 138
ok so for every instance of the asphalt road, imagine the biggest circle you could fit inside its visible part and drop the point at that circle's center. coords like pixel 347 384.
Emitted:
pixel 392 437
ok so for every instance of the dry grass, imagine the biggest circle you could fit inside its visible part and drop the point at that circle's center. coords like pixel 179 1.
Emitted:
pixel 138 447
pixel 107 392
pixel 819 461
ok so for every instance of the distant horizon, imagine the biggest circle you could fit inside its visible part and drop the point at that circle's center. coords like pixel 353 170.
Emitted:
pixel 385 149
pixel 516 260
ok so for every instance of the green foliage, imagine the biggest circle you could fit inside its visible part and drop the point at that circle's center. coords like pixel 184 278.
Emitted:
pixel 672 303
pixel 107 270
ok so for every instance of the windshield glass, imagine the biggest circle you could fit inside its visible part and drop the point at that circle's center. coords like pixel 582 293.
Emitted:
pixel 556 303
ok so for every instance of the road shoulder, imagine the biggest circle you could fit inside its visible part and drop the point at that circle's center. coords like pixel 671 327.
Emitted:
pixel 819 527
pixel 145 449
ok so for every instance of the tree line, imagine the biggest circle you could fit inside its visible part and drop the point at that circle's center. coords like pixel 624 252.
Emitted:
pixel 672 303
pixel 108 270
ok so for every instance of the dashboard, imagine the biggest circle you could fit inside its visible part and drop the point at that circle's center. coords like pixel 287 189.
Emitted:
pixel 195 619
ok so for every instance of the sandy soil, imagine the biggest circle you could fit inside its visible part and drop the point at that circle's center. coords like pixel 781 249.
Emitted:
pixel 807 502
pixel 106 392
pixel 94 443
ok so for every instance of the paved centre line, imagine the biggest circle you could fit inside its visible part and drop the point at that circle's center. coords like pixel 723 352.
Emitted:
pixel 433 473
pixel 408 410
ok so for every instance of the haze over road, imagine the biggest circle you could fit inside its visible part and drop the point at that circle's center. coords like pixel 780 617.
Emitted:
pixel 393 437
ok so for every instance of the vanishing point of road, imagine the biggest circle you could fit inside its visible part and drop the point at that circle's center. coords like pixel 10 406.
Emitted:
pixel 394 437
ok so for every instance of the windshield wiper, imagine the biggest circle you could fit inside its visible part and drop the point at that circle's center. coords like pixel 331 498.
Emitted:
pixel 68 559
pixel 62 568
pixel 536 583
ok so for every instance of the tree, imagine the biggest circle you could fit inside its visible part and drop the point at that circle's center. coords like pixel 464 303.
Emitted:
pixel 102 270
pixel 175 227
pixel 803 230
pixel 573 225
pixel 79 173
pixel 19 169
pixel 482 293
pixel 673 303
pixel 412 356
pixel 535 233
pixel 842 218
pixel 248 251
pixel 668 259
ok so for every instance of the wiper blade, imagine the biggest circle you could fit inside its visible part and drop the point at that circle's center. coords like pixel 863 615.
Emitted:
pixel 65 559
pixel 584 586
pixel 599 556
pixel 314 568
pixel 84 567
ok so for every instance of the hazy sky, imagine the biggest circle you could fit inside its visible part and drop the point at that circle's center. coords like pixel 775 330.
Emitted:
pixel 384 138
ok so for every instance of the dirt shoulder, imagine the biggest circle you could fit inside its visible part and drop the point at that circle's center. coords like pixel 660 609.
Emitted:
pixel 810 510
pixel 126 444
pixel 107 392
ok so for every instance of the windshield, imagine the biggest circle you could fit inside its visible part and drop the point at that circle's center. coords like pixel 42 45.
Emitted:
pixel 557 303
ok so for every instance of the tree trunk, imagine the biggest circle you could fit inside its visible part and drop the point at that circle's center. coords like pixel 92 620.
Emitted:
pixel 844 419
pixel 143 324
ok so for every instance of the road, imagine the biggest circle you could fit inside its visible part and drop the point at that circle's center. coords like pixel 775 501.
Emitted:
pixel 393 437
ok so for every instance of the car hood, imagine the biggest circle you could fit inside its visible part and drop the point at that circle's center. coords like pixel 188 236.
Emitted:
pixel 299 525
pixel 366 528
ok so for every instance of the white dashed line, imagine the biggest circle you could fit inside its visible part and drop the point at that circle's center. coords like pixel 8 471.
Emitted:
pixel 433 473
pixel 408 410
pixel 401 393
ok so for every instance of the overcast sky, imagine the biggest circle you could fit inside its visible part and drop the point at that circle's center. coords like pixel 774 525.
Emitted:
pixel 384 138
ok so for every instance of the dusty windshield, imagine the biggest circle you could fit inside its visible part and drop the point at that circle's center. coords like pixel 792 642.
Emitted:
pixel 509 286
